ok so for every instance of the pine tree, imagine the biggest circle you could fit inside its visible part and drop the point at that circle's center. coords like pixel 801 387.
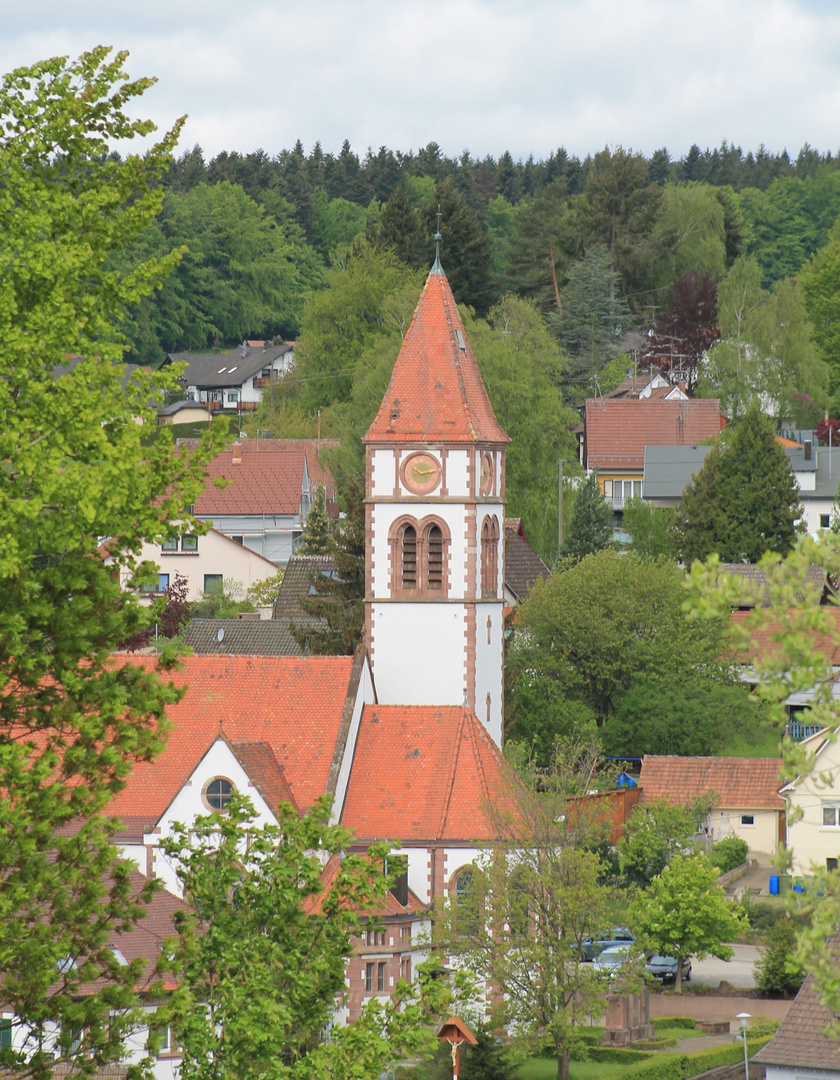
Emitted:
pixel 590 529
pixel 316 531
pixel 339 598
pixel 743 502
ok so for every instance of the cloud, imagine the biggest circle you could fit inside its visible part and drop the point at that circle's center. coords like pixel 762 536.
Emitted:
pixel 487 75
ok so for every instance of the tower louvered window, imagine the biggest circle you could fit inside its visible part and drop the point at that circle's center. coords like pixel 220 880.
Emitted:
pixel 434 544
pixel 489 557
pixel 408 565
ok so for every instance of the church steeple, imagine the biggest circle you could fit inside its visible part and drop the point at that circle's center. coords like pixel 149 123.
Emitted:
pixel 434 563
pixel 436 267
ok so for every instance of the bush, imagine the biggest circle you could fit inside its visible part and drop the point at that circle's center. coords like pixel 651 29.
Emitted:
pixel 682 1066
pixel 687 1022
pixel 729 853
pixel 488 1060
pixel 665 1042
pixel 761 1026
pixel 777 972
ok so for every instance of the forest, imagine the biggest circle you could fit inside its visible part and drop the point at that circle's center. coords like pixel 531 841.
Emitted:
pixel 725 266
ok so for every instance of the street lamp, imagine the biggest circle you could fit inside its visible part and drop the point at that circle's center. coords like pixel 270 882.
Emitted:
pixel 743 1019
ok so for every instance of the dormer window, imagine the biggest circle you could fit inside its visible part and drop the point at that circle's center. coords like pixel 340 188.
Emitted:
pixel 218 793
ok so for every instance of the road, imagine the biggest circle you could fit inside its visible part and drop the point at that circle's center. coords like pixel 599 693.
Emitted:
pixel 738 971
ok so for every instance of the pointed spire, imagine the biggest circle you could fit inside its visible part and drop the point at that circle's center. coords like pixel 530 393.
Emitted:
pixel 436 267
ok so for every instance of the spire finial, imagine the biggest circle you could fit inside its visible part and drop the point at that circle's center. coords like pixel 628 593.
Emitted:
pixel 436 267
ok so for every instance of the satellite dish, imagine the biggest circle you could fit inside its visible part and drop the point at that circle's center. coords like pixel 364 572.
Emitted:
pixel 221 634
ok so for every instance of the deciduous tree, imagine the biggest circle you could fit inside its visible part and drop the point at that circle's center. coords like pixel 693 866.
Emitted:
pixel 685 913
pixel 74 470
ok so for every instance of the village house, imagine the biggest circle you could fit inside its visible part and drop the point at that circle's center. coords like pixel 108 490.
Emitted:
pixel 233 380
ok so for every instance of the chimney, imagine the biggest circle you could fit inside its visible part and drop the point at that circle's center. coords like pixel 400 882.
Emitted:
pixel 237 453
pixel 808 447
pixel 244 348
pixel 681 385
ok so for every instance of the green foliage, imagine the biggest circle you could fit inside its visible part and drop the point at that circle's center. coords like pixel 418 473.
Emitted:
pixel 687 1022
pixel 778 969
pixel 74 471
pixel 522 367
pixel 222 601
pixel 683 1066
pixel 743 502
pixel 546 990
pixel 259 958
pixel 821 288
pixel 536 711
pixel 465 252
pixel 264 592
pixel 728 853
pixel 591 527
pixel 684 913
pixel 656 833
pixel 693 231
pixel 316 531
pixel 692 716
pixel 761 1026
pixel 490 1059
pixel 369 295
pixel 602 625
pixel 651 528
pixel 339 598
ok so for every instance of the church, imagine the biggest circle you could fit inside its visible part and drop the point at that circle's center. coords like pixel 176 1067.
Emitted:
pixel 405 736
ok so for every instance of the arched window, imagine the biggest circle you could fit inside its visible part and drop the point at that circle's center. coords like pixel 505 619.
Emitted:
pixel 408 557
pixel 489 557
pixel 434 555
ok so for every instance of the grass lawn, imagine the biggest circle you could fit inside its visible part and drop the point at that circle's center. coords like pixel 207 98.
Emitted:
pixel 678 1033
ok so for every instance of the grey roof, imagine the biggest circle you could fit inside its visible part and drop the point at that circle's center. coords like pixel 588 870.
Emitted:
pixel 523 566
pixel 241 637
pixel 297 584
pixel 800 1041
pixel 669 468
pixel 210 371
pixel 177 406
pixel 755 580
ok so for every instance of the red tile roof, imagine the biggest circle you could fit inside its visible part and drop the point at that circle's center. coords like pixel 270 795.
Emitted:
pixel 264 483
pixel 748 783
pixel 293 704
pixel 764 643
pixel 259 762
pixel 312 448
pixel 436 392
pixel 423 772
pixel 616 431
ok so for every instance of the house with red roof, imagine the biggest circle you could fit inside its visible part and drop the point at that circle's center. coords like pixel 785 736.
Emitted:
pixel 264 498
pixel 749 805
pixel 616 431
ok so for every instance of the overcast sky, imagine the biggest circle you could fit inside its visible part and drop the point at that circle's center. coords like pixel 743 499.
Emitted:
pixel 484 75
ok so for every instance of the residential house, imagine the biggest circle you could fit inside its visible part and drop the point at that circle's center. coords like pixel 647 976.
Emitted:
pixel 240 637
pixel 210 561
pixel 668 469
pixel 617 431
pixel 184 412
pixel 802 1049
pixel 233 380
pixel 813 799
pixel 651 384
pixel 749 805
pixel 265 500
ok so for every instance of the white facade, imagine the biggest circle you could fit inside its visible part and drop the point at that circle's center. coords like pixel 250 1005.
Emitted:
pixel 205 559
pixel 759 829
pixel 814 839
pixel 443 645
pixel 273 536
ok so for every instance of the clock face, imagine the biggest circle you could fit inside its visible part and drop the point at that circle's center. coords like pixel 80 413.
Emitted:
pixel 486 474
pixel 421 473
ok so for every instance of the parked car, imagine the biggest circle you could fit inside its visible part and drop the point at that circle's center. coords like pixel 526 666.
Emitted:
pixel 592 947
pixel 613 959
pixel 665 968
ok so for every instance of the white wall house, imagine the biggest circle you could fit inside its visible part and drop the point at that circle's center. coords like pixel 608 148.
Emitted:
pixel 233 380
pixel 814 839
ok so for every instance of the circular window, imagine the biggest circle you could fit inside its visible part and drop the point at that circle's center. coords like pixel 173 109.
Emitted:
pixel 218 794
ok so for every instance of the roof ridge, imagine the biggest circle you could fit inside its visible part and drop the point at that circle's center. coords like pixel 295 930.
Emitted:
pixel 453 769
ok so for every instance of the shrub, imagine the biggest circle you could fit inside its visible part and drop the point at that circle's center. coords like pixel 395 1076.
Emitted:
pixel 687 1022
pixel 777 971
pixel 619 1055
pixel 761 1026
pixel 729 853
pixel 489 1059
pixel 682 1066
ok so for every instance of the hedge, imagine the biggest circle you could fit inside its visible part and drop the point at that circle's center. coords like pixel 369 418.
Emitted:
pixel 665 1043
pixel 682 1066
pixel 619 1055
pixel 687 1022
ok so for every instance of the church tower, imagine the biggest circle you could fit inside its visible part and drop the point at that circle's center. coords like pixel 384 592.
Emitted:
pixel 435 511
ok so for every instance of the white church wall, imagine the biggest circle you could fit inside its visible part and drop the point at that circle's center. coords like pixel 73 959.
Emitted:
pixel 190 803
pixel 413 648
pixel 384 516
pixel 489 658
pixel 457 473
